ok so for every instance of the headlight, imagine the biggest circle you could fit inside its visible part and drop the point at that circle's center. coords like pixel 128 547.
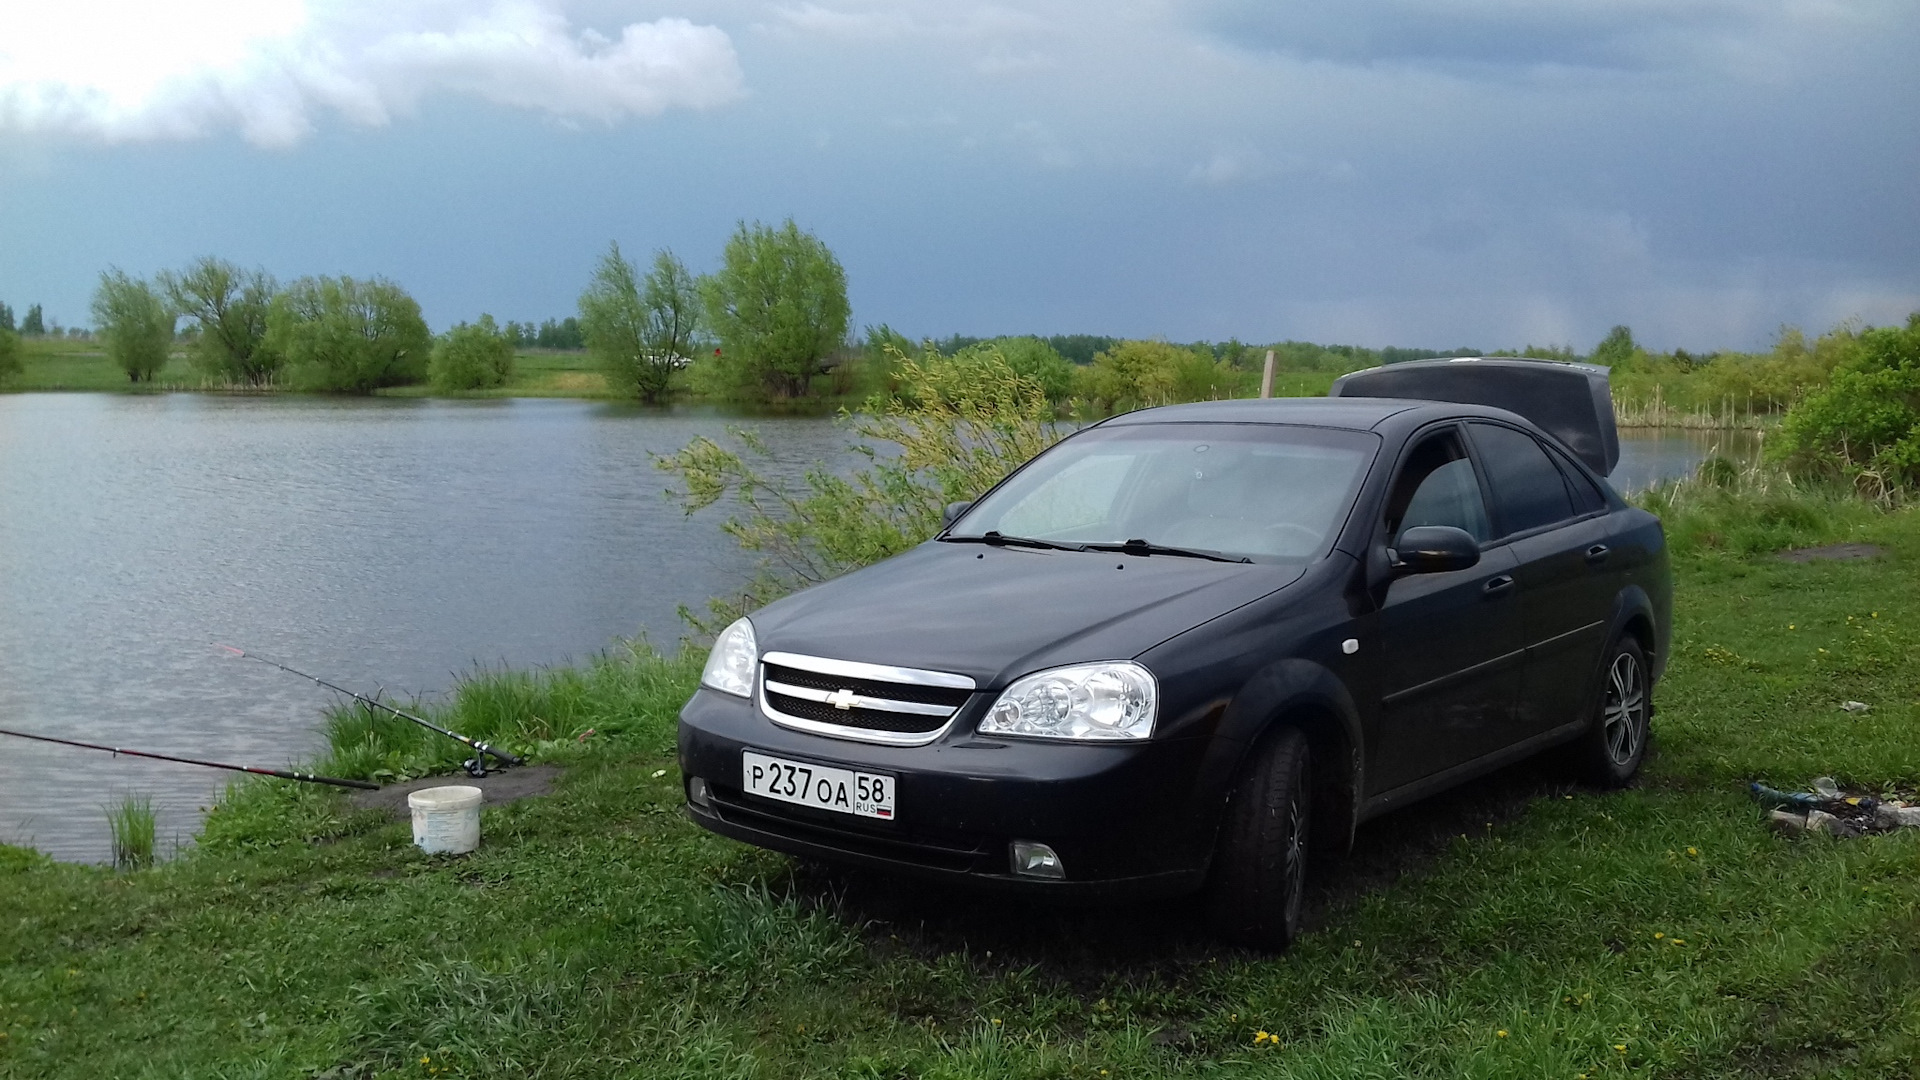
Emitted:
pixel 730 664
pixel 1087 701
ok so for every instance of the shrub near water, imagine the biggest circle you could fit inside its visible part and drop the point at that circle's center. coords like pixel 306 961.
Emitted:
pixel 472 356
pixel 1864 427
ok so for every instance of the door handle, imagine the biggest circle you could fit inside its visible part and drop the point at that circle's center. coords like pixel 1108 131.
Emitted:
pixel 1498 586
pixel 1598 553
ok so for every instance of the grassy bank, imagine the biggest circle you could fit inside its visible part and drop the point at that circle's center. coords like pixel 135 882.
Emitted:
pixel 1521 928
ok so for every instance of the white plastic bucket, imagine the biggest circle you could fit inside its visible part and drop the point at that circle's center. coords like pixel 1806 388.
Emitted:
pixel 446 820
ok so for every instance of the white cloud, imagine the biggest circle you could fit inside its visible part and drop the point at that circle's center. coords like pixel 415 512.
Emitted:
pixel 125 70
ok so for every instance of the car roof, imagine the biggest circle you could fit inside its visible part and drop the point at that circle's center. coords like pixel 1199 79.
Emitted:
pixel 1353 414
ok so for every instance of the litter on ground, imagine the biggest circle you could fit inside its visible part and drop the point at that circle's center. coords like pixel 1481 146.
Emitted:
pixel 1829 810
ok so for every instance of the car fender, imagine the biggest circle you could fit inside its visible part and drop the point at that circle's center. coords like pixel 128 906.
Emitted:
pixel 1631 604
pixel 1284 689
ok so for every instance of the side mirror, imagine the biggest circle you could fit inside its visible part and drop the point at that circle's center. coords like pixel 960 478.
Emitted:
pixel 953 511
pixel 1435 549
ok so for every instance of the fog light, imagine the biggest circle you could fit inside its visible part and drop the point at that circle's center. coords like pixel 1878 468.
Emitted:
pixel 1036 860
pixel 697 792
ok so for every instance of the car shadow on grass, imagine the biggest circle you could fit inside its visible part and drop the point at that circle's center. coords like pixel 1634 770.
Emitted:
pixel 1088 944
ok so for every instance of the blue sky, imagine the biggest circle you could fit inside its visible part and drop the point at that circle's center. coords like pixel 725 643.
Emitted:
pixel 1484 173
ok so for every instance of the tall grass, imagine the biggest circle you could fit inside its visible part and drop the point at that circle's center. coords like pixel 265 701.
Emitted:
pixel 1753 508
pixel 132 825
pixel 630 692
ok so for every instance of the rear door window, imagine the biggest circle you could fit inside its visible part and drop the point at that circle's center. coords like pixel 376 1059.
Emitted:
pixel 1586 497
pixel 1528 490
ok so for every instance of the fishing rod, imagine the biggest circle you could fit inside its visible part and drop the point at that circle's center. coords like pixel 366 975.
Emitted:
pixel 476 765
pixel 284 774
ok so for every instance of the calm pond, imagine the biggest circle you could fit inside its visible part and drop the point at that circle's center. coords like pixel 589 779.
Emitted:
pixel 377 543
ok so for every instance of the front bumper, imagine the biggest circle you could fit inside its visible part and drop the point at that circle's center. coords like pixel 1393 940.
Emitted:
pixel 1124 819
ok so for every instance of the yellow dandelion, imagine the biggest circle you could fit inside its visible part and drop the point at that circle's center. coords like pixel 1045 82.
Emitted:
pixel 1693 851
pixel 1502 1033
pixel 1622 1047
pixel 996 1021
pixel 1657 935
pixel 424 1060
pixel 1679 941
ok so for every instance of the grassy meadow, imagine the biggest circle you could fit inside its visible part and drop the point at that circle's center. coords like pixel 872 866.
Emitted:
pixel 1523 927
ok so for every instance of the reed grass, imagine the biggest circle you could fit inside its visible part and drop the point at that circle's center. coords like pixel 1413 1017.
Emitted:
pixel 132 824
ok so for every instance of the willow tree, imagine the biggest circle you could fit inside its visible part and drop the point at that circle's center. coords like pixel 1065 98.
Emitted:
pixel 135 323
pixel 230 306
pixel 640 329
pixel 779 307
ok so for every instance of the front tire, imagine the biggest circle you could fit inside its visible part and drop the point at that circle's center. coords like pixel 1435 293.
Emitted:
pixel 1614 747
pixel 1258 886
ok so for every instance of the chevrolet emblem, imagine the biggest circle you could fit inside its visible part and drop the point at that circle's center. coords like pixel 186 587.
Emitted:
pixel 842 699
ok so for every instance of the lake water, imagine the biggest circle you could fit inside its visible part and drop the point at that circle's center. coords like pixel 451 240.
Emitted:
pixel 377 543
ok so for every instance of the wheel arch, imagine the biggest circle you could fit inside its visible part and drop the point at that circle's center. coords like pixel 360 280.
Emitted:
pixel 1298 694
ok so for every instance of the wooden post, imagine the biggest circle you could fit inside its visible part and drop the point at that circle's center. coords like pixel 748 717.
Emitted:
pixel 1266 377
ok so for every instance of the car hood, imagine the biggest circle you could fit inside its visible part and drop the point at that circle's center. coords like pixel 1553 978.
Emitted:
pixel 994 613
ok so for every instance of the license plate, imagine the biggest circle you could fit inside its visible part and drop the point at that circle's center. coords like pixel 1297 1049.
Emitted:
pixel 819 786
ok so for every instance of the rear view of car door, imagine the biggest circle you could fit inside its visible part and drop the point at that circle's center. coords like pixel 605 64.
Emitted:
pixel 1450 643
pixel 1560 550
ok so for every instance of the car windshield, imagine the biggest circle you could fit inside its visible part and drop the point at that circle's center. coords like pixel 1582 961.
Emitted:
pixel 1260 491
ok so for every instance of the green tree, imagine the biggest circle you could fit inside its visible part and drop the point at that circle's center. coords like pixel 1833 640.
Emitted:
pixel 1864 426
pixel 33 325
pixel 779 307
pixel 472 356
pixel 1137 374
pixel 10 362
pixel 229 307
pixel 1618 346
pixel 640 329
pixel 350 336
pixel 135 323
pixel 6 318
pixel 1033 359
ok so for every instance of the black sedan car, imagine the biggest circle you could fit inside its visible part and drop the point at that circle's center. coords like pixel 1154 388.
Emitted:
pixel 1195 646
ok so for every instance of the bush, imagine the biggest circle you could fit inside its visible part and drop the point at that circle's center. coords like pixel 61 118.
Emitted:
pixel 958 426
pixel 472 356
pixel 1032 359
pixel 1139 374
pixel 135 322
pixel 349 336
pixel 1863 428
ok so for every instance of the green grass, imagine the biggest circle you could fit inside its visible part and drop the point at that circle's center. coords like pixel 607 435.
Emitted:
pixel 596 933
pixel 66 364
pixel 131 824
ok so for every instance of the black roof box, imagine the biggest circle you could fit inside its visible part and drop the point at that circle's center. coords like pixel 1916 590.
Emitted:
pixel 1571 402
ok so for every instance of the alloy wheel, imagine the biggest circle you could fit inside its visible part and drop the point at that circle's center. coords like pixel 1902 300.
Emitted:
pixel 1624 708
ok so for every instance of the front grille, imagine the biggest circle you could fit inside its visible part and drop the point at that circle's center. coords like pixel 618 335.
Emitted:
pixel 952 697
pixel 865 719
pixel 865 702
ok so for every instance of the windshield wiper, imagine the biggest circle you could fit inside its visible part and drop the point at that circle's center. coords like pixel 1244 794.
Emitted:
pixel 999 539
pixel 1143 547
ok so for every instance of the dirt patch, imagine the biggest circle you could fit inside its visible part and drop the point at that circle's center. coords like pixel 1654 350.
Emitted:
pixel 496 789
pixel 1832 551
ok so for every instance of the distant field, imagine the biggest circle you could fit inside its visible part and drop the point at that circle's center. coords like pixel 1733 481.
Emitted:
pixel 536 373
pixel 81 365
